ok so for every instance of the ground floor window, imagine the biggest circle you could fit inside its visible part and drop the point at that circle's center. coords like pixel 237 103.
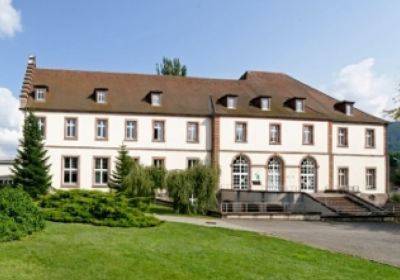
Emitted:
pixel 274 174
pixel 370 178
pixel 101 171
pixel 191 162
pixel 240 173
pixel 308 174
pixel 343 177
pixel 70 170
pixel 159 162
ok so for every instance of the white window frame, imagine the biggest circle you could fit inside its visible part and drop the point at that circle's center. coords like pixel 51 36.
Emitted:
pixel 40 94
pixel 343 177
pixel 131 130
pixel 101 129
pixel 192 132
pixel 274 174
pixel 101 170
pixel 159 162
pixel 370 138
pixel 241 173
pixel 158 131
pixel 308 134
pixel 155 99
pixel 299 105
pixel 70 170
pixel 240 132
pixel 42 126
pixel 265 103
pixel 71 128
pixel 101 96
pixel 308 175
pixel 343 137
pixel 370 178
pixel 348 109
pixel 231 102
pixel 191 162
pixel 274 134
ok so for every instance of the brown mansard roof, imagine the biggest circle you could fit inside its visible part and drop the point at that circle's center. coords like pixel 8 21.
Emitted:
pixel 73 91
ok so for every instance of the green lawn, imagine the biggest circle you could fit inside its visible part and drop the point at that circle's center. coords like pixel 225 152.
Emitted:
pixel 173 251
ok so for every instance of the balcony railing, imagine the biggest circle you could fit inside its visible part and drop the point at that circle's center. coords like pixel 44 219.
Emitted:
pixel 260 207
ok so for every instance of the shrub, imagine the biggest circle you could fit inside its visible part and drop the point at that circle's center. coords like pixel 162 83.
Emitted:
pixel 138 182
pixel 19 216
pixel 180 189
pixel 157 176
pixel 96 208
pixel 395 197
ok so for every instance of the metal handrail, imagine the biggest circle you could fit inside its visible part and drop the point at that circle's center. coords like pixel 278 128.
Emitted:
pixel 258 207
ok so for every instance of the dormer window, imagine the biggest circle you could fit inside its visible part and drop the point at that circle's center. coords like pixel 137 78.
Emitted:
pixel 40 94
pixel 231 102
pixel 349 109
pixel 346 107
pixel 156 99
pixel 101 96
pixel 265 103
pixel 299 105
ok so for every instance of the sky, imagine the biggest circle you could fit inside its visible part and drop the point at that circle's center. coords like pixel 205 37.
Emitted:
pixel 347 48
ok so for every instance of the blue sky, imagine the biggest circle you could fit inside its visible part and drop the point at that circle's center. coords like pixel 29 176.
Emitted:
pixel 349 48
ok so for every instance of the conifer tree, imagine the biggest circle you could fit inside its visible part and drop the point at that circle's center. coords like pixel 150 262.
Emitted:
pixel 30 169
pixel 123 166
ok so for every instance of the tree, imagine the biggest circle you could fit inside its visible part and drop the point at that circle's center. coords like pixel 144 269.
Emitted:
pixel 30 169
pixel 138 183
pixel 171 67
pixel 123 166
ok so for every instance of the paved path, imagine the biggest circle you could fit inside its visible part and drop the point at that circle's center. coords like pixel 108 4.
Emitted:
pixel 375 241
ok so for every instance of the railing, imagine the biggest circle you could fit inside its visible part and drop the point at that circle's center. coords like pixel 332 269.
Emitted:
pixel 260 207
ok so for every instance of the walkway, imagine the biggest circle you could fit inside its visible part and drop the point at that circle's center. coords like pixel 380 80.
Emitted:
pixel 375 241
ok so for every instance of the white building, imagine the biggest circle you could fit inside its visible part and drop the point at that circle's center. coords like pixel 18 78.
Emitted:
pixel 5 172
pixel 266 131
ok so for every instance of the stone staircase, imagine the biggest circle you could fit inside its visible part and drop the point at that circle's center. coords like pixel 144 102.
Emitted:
pixel 343 205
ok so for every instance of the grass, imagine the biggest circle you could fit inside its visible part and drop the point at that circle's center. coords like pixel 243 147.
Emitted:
pixel 173 251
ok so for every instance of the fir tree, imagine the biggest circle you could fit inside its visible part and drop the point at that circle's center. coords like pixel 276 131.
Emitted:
pixel 123 166
pixel 30 169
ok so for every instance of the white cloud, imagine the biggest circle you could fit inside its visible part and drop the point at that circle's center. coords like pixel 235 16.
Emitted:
pixel 10 123
pixel 359 82
pixel 10 19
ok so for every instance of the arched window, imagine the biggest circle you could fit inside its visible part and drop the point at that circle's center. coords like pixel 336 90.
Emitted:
pixel 240 173
pixel 308 175
pixel 274 174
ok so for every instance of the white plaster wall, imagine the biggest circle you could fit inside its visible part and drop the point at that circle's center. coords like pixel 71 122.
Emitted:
pixel 5 169
pixel 258 135
pixel 356 139
pixel 357 166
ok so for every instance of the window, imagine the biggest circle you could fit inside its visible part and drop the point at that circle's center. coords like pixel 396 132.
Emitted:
pixel 155 99
pixel 349 109
pixel 42 126
pixel 101 96
pixel 370 178
pixel 265 103
pixel 192 133
pixel 192 162
pixel 274 134
pixel 71 125
pixel 158 131
pixel 231 102
pixel 131 130
pixel 299 105
pixel 342 137
pixel 274 174
pixel 308 135
pixel 240 132
pixel 101 171
pixel 370 138
pixel 40 94
pixel 70 171
pixel 308 174
pixel 101 129
pixel 158 162
pixel 343 177
pixel 240 173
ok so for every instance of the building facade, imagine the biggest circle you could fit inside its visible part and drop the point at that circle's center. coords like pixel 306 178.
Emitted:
pixel 265 131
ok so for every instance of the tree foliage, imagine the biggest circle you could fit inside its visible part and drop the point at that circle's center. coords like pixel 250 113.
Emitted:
pixel 138 182
pixel 172 67
pixel 30 169
pixel 123 166
pixel 193 190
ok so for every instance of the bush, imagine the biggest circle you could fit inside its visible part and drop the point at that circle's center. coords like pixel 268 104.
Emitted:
pixel 102 209
pixel 199 182
pixel 19 216
pixel 395 197
pixel 138 182
pixel 157 176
